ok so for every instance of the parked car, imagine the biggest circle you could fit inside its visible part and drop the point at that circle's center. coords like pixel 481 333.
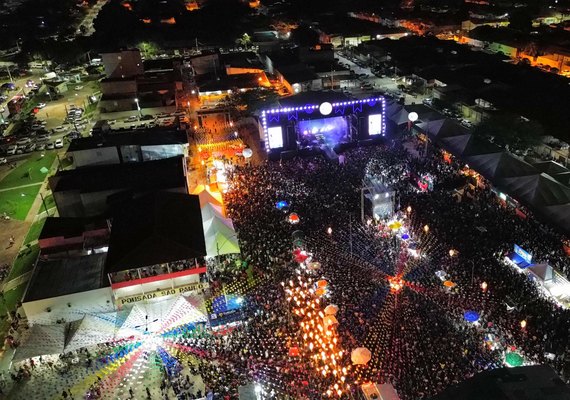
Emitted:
pixel 61 128
pixel 30 147
pixel 41 105
pixel 58 144
pixel 132 118
pixel 3 160
pixel 24 141
pixel 11 150
pixel 41 147
pixel 42 138
pixel 73 135
pixel 50 146
pixel 78 87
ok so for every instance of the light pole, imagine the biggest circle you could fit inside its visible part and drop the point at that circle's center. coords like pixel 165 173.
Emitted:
pixel 138 107
pixel 43 201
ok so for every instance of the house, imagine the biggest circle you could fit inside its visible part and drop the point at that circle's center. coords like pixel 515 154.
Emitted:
pixel 79 236
pixel 123 63
pixel 298 78
pixel 91 191
pixel 127 147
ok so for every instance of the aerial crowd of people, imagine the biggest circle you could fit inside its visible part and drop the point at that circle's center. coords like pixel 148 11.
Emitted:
pixel 449 255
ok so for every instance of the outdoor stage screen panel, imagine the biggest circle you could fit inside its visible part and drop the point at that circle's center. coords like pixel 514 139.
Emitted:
pixel 323 131
pixel 275 136
pixel 374 124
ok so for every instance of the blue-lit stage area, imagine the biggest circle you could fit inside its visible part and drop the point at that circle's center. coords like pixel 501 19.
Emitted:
pixel 325 128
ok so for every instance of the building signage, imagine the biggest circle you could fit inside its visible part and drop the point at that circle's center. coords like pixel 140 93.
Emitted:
pixel 523 254
pixel 192 287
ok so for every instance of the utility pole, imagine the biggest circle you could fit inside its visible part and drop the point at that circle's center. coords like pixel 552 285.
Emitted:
pixel 9 74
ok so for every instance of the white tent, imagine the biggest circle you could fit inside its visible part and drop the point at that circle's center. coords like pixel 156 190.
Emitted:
pixel 210 211
pixel 92 330
pixel 218 224
pixel 41 340
pixel 207 197
pixel 220 237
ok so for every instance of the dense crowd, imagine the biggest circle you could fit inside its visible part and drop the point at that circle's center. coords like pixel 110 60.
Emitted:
pixel 404 334
pixel 418 337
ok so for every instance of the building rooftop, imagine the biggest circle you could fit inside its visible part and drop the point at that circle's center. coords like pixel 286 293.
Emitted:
pixel 60 277
pixel 148 137
pixel 240 81
pixel 156 229
pixel 150 175
pixel 246 59
pixel 70 227
pixel 312 97
pixel 347 26
pixel 297 73
pixel 538 382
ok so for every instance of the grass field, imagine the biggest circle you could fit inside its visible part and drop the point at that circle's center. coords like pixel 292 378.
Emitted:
pixel 35 230
pixel 24 262
pixel 28 172
pixel 50 203
pixel 11 298
pixel 14 204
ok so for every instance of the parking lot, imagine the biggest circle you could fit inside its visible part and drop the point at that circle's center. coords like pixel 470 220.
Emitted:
pixel 387 84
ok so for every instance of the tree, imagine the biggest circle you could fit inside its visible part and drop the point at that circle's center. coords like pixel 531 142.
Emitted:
pixel 510 131
pixel 244 40
pixel 148 49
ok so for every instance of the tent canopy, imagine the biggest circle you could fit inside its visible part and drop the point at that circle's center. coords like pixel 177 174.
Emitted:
pixel 218 225
pixel 206 196
pixel 222 244
pixel 41 340
pixel 495 166
pixel 538 190
pixel 210 211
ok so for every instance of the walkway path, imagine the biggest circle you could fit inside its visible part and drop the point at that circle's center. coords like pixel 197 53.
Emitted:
pixel 19 187
pixel 14 283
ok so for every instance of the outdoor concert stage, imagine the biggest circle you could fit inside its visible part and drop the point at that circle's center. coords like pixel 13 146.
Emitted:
pixel 321 126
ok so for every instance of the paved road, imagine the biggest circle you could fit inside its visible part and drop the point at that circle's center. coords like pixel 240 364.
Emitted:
pixel 386 84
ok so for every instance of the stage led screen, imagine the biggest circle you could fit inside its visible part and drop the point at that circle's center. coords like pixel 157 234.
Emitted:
pixel 374 124
pixel 324 131
pixel 275 136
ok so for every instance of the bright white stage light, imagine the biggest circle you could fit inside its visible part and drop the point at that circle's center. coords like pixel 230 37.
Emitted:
pixel 325 108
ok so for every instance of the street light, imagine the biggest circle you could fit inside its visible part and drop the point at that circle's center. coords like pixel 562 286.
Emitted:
pixel 138 107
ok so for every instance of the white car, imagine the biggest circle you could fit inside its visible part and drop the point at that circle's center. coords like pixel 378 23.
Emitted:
pixel 11 150
pixel 24 141
pixel 3 160
pixel 42 105
pixel 61 128
pixel 78 87
pixel 58 144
